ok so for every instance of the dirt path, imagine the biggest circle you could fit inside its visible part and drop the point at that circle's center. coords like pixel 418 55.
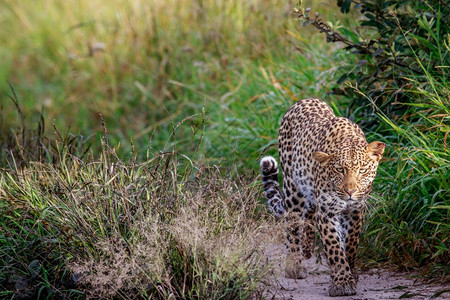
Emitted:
pixel 373 285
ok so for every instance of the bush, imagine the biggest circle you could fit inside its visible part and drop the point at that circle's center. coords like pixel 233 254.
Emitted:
pixel 395 41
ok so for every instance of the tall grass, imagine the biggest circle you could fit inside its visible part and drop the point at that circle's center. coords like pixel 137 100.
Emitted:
pixel 409 223
pixel 106 228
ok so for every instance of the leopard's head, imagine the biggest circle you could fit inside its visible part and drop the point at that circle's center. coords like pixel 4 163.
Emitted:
pixel 350 170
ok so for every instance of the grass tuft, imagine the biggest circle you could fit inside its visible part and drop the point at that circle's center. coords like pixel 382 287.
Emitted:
pixel 104 227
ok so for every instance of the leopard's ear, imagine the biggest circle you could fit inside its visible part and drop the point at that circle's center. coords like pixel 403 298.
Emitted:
pixel 376 150
pixel 321 157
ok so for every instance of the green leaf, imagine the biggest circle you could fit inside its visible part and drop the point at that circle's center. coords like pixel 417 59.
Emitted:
pixel 345 6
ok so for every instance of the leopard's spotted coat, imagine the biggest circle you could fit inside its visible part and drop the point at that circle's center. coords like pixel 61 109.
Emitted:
pixel 328 169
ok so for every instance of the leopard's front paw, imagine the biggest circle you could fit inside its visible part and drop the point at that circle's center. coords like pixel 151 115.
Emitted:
pixel 294 268
pixel 346 289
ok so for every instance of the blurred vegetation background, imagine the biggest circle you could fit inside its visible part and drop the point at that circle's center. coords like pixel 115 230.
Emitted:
pixel 147 64
pixel 163 89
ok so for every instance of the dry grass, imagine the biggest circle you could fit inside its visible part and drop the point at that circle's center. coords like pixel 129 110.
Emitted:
pixel 107 228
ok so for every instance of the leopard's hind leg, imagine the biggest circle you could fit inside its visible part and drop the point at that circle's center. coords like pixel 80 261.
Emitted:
pixel 298 212
pixel 299 229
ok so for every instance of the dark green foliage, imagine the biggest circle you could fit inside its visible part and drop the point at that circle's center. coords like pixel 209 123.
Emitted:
pixel 395 40
pixel 401 39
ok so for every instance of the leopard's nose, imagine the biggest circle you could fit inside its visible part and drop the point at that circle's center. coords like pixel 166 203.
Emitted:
pixel 350 192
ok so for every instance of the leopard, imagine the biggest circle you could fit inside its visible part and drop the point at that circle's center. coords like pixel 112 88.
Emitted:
pixel 328 171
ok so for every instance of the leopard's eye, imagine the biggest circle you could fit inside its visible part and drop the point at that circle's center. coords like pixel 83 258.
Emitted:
pixel 339 169
pixel 363 170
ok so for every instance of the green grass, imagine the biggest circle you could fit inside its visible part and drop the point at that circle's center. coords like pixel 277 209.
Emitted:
pixel 409 223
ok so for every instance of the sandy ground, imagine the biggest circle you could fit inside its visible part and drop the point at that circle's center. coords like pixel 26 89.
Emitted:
pixel 372 285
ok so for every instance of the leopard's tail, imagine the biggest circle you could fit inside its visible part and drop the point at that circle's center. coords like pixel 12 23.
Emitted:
pixel 269 169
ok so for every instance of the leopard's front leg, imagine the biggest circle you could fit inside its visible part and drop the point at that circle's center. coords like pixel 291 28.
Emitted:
pixel 353 223
pixel 333 239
